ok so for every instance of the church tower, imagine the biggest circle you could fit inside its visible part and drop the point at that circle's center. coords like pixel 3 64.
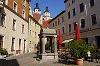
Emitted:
pixel 37 9
pixel 47 14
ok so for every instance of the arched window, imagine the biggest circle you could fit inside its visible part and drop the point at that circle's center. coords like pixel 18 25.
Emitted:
pixel 82 23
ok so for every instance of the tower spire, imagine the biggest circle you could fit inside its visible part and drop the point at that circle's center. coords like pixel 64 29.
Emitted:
pixel 47 14
pixel 47 9
pixel 37 9
pixel 37 5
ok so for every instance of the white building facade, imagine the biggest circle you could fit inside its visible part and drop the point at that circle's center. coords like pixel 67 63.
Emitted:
pixel 87 14
pixel 13 31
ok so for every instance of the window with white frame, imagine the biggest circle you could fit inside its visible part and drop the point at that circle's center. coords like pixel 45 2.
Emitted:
pixel 13 43
pixel 82 23
pixel 2 20
pixel 58 21
pixel 69 27
pixel 1 41
pixel 0 10
pixel 74 13
pixel 91 3
pixel 30 44
pixel 24 46
pixel 24 2
pixel 81 7
pixel 73 1
pixel 19 44
pixel 35 34
pixel 22 28
pixel 69 15
pixel 62 19
pixel 30 32
pixel 94 20
pixel 35 25
pixel 30 22
pixel 14 24
pixel 55 23
pixel 6 2
pixel 68 4
pixel 15 6
pixel 74 25
pixel 62 30
pixel 56 31
pixel 23 13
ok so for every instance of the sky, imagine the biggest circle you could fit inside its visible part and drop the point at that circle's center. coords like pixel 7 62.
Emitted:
pixel 55 6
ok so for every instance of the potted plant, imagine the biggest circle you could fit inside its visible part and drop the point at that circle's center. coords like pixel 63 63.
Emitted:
pixel 3 52
pixel 78 50
pixel 93 51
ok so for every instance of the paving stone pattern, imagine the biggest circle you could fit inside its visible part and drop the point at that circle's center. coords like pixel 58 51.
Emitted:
pixel 53 63
pixel 30 59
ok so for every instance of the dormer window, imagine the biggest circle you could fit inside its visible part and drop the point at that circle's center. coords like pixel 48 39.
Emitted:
pixel 24 2
pixel 23 14
pixel 6 2
pixel 15 6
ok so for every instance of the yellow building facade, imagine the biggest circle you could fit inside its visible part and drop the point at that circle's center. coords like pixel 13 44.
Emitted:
pixel 33 31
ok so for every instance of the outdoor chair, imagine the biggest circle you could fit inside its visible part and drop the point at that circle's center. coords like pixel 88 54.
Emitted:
pixel 98 56
pixel 89 57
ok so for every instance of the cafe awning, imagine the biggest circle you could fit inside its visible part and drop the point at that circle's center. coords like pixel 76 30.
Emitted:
pixel 66 41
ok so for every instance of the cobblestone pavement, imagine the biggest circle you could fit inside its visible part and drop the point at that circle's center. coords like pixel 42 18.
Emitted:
pixel 31 60
pixel 70 63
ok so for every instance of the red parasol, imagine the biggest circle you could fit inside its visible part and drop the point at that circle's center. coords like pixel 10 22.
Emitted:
pixel 77 32
pixel 60 40
pixel 60 46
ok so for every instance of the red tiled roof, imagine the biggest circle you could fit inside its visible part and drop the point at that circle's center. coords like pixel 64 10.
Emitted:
pixel 37 16
pixel 46 23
